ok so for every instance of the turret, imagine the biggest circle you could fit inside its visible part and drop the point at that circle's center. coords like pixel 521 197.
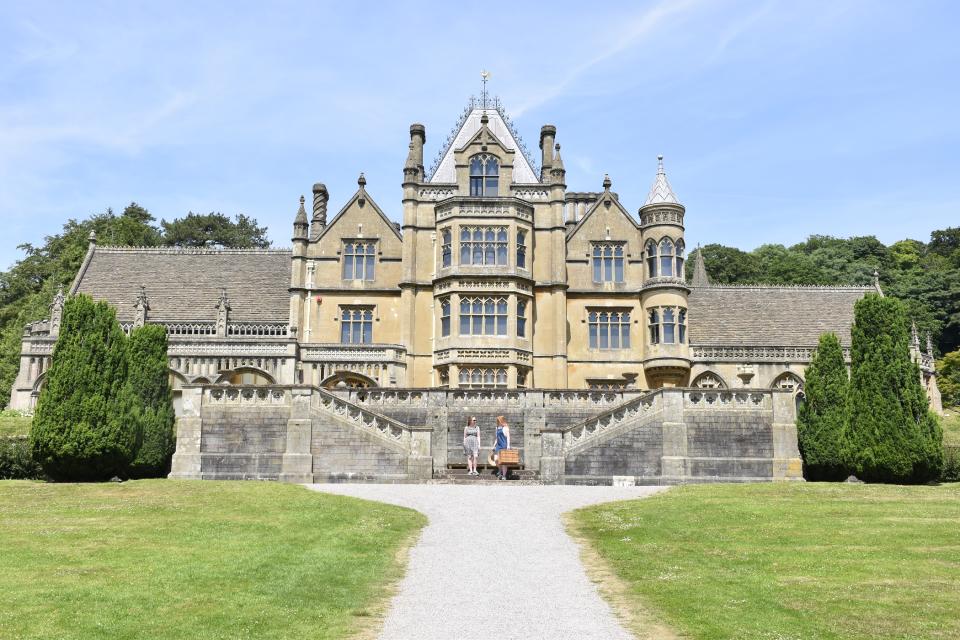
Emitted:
pixel 666 360
pixel 300 224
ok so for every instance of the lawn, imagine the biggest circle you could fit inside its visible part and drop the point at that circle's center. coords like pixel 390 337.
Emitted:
pixel 800 561
pixel 951 426
pixel 198 560
pixel 13 423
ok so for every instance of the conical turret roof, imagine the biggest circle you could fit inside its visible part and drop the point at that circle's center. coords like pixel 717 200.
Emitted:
pixel 661 192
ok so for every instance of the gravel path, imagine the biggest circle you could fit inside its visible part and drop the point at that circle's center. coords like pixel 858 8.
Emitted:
pixel 451 589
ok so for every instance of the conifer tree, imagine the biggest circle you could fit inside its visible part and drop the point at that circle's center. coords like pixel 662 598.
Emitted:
pixel 148 401
pixel 891 435
pixel 823 415
pixel 77 432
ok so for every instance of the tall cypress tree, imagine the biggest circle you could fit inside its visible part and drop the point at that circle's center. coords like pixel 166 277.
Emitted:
pixel 148 401
pixel 77 432
pixel 891 435
pixel 823 415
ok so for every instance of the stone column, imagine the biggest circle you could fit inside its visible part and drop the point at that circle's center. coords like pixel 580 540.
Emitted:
pixel 186 463
pixel 534 422
pixel 420 462
pixel 297 463
pixel 787 464
pixel 437 421
pixel 674 465
pixel 552 468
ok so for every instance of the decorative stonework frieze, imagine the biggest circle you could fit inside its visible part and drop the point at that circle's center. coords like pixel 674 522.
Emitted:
pixel 580 435
pixel 352 353
pixel 661 216
pixel 755 353
pixel 436 193
pixel 189 348
pixel 533 192
pixel 721 398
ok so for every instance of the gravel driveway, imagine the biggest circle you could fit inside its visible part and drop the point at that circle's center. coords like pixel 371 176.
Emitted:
pixel 451 589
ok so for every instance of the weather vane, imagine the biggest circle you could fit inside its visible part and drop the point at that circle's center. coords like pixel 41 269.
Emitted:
pixel 486 76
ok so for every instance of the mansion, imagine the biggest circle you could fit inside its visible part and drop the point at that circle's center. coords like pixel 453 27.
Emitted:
pixel 496 278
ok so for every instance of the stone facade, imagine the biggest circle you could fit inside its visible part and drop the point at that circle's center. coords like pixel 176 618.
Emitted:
pixel 498 279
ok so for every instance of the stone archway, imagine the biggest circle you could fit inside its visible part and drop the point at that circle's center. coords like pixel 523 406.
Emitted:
pixel 348 380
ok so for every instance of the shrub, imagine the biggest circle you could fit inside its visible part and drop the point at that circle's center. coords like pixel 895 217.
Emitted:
pixel 16 460
pixel 78 433
pixel 951 465
pixel 148 401
pixel 823 416
pixel 891 435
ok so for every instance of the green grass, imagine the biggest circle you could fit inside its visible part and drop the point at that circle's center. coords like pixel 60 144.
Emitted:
pixel 788 560
pixel 951 427
pixel 166 559
pixel 13 423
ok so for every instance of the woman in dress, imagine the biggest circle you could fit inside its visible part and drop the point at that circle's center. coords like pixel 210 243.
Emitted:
pixel 503 442
pixel 471 445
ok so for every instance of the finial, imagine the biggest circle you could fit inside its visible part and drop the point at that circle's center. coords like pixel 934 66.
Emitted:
pixel 302 201
pixel 660 170
pixel 362 181
pixel 92 237
pixel 485 76
pixel 876 277
pixel 914 335
pixel 484 120
pixel 606 182
pixel 929 344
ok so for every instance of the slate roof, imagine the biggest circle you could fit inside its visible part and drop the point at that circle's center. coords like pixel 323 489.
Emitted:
pixel 726 315
pixel 184 284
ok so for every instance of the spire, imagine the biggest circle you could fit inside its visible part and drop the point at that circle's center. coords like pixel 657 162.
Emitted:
pixel 929 345
pixel 661 192
pixel 557 171
pixel 300 223
pixel 142 305
pixel 700 277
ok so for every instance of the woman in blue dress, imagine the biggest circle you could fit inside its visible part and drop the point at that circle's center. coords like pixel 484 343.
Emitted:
pixel 503 442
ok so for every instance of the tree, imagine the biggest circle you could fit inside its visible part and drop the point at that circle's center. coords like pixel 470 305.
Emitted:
pixel 78 434
pixel 948 378
pixel 214 230
pixel 148 402
pixel 823 415
pixel 891 434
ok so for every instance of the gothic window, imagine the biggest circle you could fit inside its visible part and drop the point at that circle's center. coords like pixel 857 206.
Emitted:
pixel 358 259
pixel 483 316
pixel 483 246
pixel 445 317
pixel 444 375
pixel 788 381
pixel 483 378
pixel 654 327
pixel 484 175
pixel 668 325
pixel 668 331
pixel 666 258
pixel 651 259
pixel 521 378
pixel 522 250
pixel 708 380
pixel 680 249
pixel 356 325
pixel 446 248
pixel 609 329
pixel 608 261
pixel 521 318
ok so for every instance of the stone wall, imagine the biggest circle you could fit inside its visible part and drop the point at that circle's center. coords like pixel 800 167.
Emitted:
pixel 305 434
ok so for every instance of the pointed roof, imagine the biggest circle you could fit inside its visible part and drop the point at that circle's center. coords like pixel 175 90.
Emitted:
pixel 661 192
pixel 700 277
pixel 444 168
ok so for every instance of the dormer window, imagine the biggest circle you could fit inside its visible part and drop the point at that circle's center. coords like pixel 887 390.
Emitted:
pixel 484 175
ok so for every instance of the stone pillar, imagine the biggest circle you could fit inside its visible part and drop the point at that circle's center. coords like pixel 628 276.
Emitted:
pixel 420 462
pixel 674 465
pixel 297 464
pixel 186 463
pixel 438 424
pixel 552 469
pixel 534 422
pixel 787 464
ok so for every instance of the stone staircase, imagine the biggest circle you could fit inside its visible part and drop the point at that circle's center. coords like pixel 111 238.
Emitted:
pixel 487 476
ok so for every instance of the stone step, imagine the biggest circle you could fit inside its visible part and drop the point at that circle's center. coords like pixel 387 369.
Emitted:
pixel 486 475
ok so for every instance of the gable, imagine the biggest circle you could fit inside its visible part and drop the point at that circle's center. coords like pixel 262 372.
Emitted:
pixel 606 213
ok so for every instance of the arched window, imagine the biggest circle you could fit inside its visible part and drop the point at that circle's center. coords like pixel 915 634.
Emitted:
pixel 446 248
pixel 666 258
pixel 445 317
pixel 484 175
pixel 521 249
pixel 680 249
pixel 709 380
pixel 669 327
pixel 651 259
pixel 654 327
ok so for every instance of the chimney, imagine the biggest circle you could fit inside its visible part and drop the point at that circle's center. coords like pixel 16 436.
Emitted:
pixel 418 137
pixel 548 134
pixel 320 197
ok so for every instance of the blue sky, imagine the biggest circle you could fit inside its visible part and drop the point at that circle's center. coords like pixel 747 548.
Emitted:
pixel 777 119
